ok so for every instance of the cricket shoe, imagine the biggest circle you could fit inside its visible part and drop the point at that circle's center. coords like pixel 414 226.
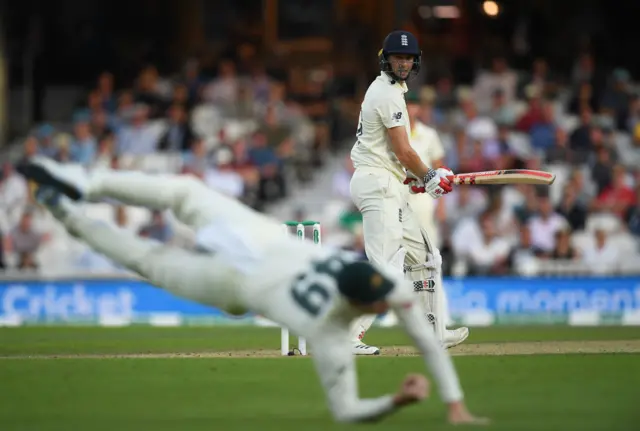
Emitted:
pixel 359 348
pixel 70 180
pixel 453 337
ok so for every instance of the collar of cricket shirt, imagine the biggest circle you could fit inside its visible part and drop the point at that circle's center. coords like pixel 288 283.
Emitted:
pixel 401 85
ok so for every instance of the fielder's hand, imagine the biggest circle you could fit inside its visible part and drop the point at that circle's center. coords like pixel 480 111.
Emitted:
pixel 437 184
pixel 414 388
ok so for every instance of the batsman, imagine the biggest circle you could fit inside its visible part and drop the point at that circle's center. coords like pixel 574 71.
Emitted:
pixel 387 171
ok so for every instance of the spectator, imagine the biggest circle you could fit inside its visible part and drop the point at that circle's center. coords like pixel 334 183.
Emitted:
pixel 223 90
pixel 25 241
pixel 106 152
pixel 490 255
pixel 260 84
pixel 84 147
pixel 563 250
pixel 45 140
pixel 583 99
pixel 602 257
pixel 633 215
pixel 617 97
pixel 63 146
pixel 477 127
pixel 500 77
pixel 501 111
pixel 181 97
pixel 14 195
pixel 545 224
pixel 179 134
pixel 223 177
pixel 157 228
pixel 526 210
pixel 542 79
pixel 152 92
pixel 580 140
pixel 602 170
pixel 445 99
pixel 617 197
pixel 572 209
pixel 193 80
pixel 585 190
pixel 138 138
pixel 100 124
pixel 196 161
pixel 463 203
pixel 505 155
pixel 543 131
pixel 560 151
pixel 106 95
pixel 242 164
pixel 272 185
pixel 629 149
pixel 30 149
pixel 524 254
pixel 533 114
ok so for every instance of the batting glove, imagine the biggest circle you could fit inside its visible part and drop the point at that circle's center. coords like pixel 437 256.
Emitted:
pixel 436 183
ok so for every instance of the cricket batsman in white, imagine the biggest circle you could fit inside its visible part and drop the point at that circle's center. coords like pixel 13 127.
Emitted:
pixel 242 263
pixel 387 171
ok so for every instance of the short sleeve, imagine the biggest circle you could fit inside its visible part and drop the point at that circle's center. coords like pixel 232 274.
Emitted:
pixel 392 112
pixel 435 148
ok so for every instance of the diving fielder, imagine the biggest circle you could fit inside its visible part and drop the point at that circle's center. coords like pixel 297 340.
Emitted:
pixel 242 262
pixel 387 171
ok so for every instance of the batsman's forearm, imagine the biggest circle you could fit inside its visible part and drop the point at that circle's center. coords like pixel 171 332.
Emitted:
pixel 412 162
pixel 436 358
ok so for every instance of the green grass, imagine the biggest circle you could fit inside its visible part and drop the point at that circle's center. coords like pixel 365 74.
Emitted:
pixel 546 392
pixel 136 339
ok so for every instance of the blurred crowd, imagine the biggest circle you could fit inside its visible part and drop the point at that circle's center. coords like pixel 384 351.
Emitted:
pixel 245 133
pixel 584 128
pixel 239 129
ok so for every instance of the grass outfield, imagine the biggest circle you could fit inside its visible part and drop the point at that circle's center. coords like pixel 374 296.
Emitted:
pixel 558 391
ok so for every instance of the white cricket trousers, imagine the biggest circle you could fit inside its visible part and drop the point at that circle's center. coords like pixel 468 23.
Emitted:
pixel 388 220
pixel 230 230
pixel 388 224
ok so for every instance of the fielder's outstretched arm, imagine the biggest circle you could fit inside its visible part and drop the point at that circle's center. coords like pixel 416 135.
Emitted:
pixel 335 365
pixel 412 316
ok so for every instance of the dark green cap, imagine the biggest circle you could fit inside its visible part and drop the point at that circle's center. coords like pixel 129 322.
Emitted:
pixel 361 282
pixel 412 97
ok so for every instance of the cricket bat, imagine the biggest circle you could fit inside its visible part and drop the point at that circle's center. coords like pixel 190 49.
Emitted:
pixel 505 176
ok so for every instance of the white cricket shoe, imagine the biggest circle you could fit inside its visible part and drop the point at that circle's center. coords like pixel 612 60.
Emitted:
pixel 453 337
pixel 70 180
pixel 359 348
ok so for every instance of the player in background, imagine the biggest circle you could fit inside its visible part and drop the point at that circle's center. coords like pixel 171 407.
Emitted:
pixel 387 171
pixel 426 142
pixel 242 262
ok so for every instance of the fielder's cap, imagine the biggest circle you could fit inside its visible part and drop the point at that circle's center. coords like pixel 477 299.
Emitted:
pixel 363 283
pixel 412 97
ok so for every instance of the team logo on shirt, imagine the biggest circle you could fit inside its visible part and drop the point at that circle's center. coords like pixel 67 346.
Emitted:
pixel 397 116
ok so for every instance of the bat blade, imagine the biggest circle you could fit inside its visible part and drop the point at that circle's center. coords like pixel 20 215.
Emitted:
pixel 505 176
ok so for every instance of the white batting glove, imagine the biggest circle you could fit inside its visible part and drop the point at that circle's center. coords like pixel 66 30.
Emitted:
pixel 436 183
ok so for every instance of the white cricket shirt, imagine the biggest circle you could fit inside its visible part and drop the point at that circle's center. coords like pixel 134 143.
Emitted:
pixel 383 108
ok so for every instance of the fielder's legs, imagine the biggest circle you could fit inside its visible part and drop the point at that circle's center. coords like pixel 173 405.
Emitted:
pixel 192 202
pixel 197 276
